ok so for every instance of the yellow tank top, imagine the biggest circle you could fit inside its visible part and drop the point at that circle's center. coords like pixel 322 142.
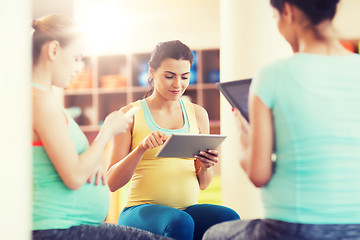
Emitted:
pixel 166 181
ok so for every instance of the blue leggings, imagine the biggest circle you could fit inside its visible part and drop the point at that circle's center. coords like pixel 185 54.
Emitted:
pixel 188 224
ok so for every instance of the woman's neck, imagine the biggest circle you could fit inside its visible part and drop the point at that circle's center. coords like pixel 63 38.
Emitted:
pixel 41 76
pixel 320 39
pixel 157 101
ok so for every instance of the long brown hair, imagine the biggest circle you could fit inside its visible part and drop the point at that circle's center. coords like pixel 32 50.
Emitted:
pixel 170 49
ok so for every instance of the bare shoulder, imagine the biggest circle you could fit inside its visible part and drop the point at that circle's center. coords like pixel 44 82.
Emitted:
pixel 43 102
pixel 200 112
pixel 127 107
pixel 130 129
pixel 202 118
pixel 48 115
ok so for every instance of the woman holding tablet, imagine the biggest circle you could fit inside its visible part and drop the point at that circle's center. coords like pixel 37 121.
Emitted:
pixel 163 192
pixel 70 195
pixel 306 110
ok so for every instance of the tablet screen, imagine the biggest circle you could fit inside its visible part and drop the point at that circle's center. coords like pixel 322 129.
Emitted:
pixel 237 93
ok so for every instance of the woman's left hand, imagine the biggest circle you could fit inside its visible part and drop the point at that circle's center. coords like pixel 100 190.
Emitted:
pixel 208 158
pixel 100 176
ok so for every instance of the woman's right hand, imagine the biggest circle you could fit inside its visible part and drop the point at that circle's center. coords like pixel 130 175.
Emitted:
pixel 155 139
pixel 116 123
pixel 244 128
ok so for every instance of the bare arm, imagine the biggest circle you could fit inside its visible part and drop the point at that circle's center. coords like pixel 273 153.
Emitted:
pixel 257 142
pixel 123 163
pixel 205 160
pixel 50 127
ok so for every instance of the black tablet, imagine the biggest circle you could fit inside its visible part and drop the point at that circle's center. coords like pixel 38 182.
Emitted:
pixel 237 93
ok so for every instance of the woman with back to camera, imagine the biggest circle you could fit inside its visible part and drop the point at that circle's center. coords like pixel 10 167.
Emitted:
pixel 69 202
pixel 163 192
pixel 306 110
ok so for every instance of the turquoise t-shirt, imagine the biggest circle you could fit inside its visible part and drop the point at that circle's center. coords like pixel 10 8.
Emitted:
pixel 57 207
pixel 315 102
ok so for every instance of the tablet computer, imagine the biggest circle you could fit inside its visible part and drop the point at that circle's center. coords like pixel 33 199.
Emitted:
pixel 237 94
pixel 188 145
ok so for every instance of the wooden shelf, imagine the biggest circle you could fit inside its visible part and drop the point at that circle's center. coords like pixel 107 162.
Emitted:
pixel 114 81
pixel 139 89
pixel 206 85
pixel 83 91
pixel 112 90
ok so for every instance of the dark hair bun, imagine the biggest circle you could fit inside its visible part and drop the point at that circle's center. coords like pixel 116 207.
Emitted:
pixel 320 10
pixel 35 24
pixel 316 10
pixel 325 4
